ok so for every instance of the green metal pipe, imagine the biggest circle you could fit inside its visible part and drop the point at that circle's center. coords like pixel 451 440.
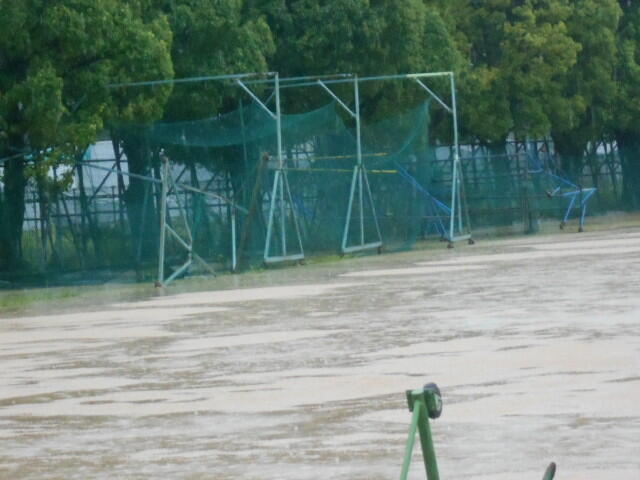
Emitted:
pixel 423 404
pixel 426 442
pixel 408 452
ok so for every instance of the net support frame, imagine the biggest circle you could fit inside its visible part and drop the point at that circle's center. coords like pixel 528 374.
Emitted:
pixel 280 192
pixel 360 189
pixel 281 184
pixel 168 185
pixel 459 221
pixel 459 207
pixel 281 195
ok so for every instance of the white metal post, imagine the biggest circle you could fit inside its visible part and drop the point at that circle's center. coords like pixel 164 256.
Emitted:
pixel 272 207
pixel 283 233
pixel 280 184
pixel 359 181
pixel 454 197
pixel 234 260
pixel 163 221
pixel 356 90
pixel 345 234
pixel 456 154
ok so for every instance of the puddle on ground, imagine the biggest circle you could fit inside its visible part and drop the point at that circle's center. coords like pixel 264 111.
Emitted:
pixel 535 345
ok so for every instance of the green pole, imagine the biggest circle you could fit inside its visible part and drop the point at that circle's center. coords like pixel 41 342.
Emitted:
pixel 424 404
pixel 163 220
pixel 426 442
pixel 408 452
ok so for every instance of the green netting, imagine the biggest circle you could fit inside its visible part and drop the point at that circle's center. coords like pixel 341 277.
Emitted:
pixel 319 202
pixel 399 157
pixel 515 192
pixel 250 124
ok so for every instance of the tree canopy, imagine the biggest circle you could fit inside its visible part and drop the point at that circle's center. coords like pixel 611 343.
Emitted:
pixel 56 57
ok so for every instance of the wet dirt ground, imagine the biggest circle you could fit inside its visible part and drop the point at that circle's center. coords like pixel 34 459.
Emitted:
pixel 535 343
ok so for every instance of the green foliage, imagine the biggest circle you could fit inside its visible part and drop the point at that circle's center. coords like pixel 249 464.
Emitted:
pixel 588 88
pixel 363 37
pixel 625 125
pixel 517 51
pixel 627 76
pixel 213 38
pixel 56 58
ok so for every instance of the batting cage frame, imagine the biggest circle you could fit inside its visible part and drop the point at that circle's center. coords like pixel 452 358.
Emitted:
pixel 459 228
pixel 280 194
pixel 281 209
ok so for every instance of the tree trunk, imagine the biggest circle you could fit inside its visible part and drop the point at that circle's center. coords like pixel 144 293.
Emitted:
pixel 501 192
pixel 141 210
pixel 572 158
pixel 12 213
pixel 629 149
pixel 254 206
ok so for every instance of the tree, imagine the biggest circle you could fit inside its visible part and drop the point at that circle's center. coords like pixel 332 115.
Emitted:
pixel 55 59
pixel 583 113
pixel 517 51
pixel 625 121
pixel 362 37
pixel 213 38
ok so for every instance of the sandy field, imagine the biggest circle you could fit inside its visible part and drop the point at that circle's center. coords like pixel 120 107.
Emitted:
pixel 534 342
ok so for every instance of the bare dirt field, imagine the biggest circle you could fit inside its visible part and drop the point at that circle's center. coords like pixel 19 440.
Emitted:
pixel 300 373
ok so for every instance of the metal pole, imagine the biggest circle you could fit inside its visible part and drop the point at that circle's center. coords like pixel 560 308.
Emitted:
pixel 295 223
pixel 171 81
pixel 373 208
pixel 453 200
pixel 345 235
pixel 272 207
pixel 280 165
pixel 408 452
pixel 426 442
pixel 234 260
pixel 456 154
pixel 420 424
pixel 283 231
pixel 163 219
pixel 278 122
pixel 459 192
pixel 361 192
pixel 359 154
pixel 357 111
pixel 346 78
